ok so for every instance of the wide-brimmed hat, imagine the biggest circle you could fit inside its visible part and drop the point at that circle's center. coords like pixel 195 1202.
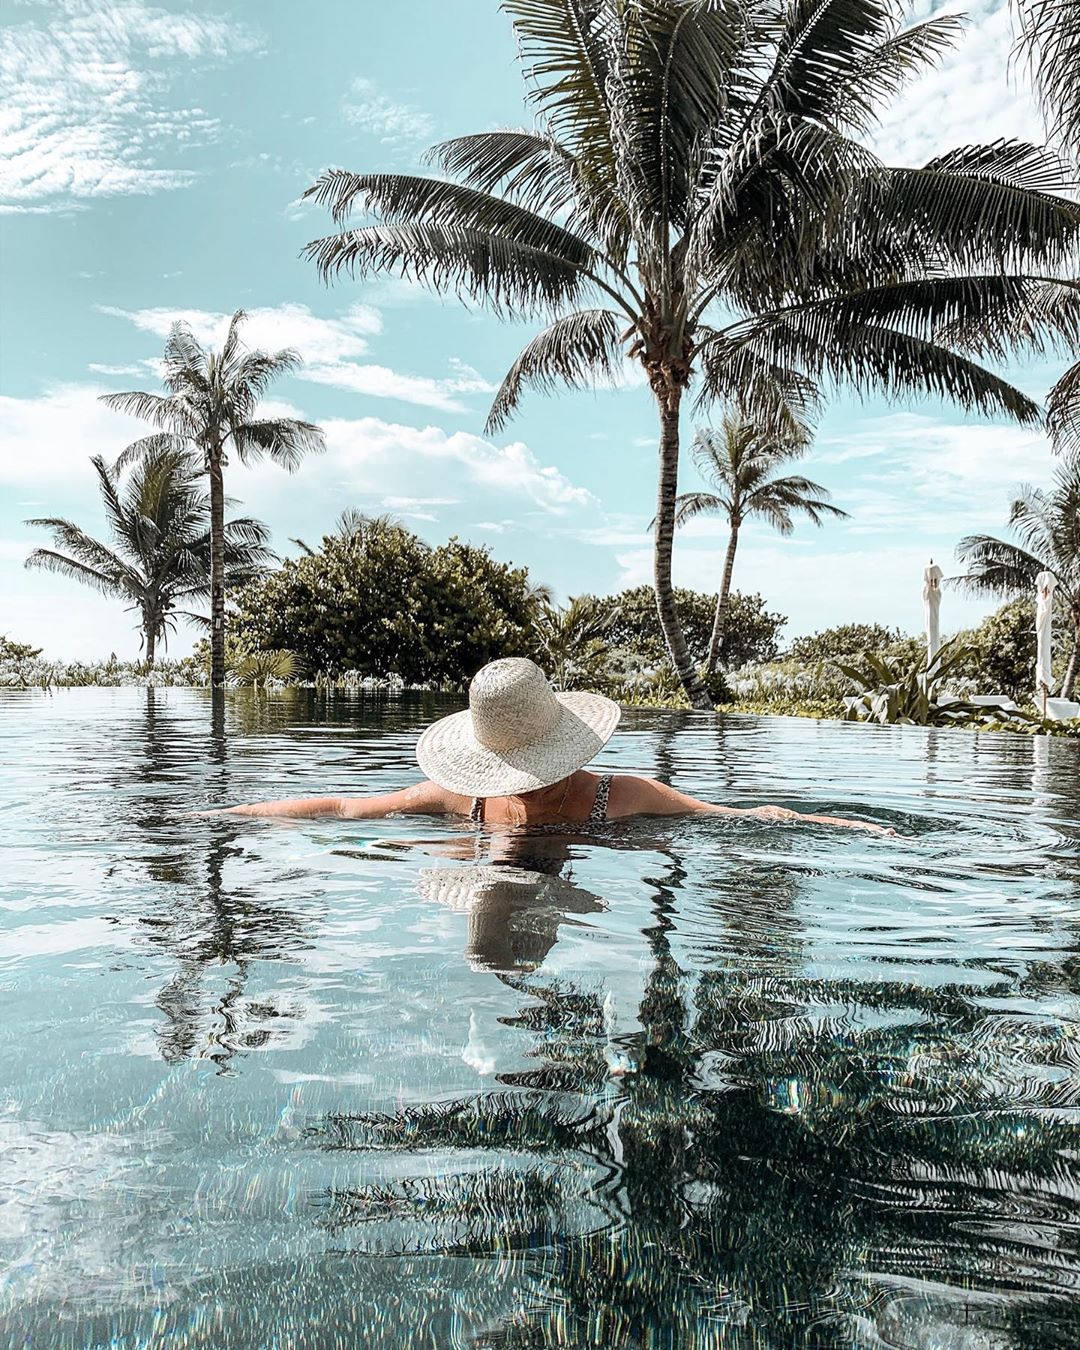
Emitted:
pixel 517 734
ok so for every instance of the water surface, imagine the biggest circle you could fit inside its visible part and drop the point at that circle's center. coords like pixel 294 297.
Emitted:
pixel 685 1083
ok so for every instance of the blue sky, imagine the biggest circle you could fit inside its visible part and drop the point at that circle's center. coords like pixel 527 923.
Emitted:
pixel 151 162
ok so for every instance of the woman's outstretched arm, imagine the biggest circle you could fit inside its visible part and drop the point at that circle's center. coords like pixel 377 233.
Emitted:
pixel 645 796
pixel 421 799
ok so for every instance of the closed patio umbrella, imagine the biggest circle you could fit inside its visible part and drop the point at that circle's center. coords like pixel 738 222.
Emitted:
pixel 932 577
pixel 1044 625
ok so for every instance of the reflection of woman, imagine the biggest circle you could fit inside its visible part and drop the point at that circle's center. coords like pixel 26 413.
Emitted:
pixel 513 913
pixel 516 757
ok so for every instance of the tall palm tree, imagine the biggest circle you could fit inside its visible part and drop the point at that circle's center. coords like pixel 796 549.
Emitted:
pixel 211 403
pixel 740 461
pixel 1048 527
pixel 160 560
pixel 1050 41
pixel 695 199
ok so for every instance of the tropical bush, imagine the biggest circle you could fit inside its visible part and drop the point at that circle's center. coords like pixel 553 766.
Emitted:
pixel 844 640
pixel 789 688
pixel 751 633
pixel 377 600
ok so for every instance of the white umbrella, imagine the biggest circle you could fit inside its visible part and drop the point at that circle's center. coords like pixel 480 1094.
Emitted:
pixel 931 594
pixel 1044 625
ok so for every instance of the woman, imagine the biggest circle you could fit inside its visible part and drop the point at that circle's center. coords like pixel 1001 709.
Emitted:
pixel 516 756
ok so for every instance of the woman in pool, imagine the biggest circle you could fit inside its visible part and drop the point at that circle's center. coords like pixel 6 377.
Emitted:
pixel 516 756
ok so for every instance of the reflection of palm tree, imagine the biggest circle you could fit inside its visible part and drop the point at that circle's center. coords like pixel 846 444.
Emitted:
pixel 203 924
pixel 769 1159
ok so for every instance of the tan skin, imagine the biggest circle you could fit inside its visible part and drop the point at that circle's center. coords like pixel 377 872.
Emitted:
pixel 568 801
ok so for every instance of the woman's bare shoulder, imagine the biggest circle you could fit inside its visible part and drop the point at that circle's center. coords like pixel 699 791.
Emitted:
pixel 633 795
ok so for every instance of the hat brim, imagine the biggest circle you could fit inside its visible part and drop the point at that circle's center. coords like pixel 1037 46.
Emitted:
pixel 450 755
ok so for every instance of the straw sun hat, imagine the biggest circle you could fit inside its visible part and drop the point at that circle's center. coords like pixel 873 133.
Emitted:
pixel 517 735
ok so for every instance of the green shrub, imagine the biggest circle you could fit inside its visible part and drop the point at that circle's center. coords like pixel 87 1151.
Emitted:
pixel 380 602
pixel 844 640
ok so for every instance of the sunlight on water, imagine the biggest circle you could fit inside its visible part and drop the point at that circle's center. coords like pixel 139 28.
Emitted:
pixel 684 1083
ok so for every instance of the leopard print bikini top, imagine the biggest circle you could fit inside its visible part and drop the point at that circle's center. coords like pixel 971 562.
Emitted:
pixel 596 815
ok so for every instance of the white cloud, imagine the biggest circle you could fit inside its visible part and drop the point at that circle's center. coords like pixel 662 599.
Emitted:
pixel 99 369
pixel 85 94
pixel 973 96
pixel 319 341
pixel 374 112
pixel 329 348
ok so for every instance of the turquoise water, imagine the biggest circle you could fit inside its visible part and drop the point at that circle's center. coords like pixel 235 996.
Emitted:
pixel 684 1083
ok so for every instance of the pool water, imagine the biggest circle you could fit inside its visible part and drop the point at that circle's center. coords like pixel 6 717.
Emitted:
pixel 684 1083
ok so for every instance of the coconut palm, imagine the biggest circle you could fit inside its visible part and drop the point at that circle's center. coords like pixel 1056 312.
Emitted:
pixel 695 199
pixel 741 460
pixel 1050 43
pixel 1047 525
pixel 211 403
pixel 160 558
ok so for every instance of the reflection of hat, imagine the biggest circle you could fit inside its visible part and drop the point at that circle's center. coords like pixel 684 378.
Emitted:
pixel 513 913
pixel 517 734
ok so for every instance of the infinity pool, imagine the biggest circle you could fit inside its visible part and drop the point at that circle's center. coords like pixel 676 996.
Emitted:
pixel 685 1083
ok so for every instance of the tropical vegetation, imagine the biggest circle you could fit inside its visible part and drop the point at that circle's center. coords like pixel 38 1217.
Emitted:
pixel 1047 526
pixel 374 598
pixel 210 409
pixel 160 557
pixel 696 199
pixel 740 461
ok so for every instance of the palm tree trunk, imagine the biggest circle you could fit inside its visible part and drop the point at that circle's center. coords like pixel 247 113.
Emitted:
pixel 665 535
pixel 722 600
pixel 217 572
pixel 150 633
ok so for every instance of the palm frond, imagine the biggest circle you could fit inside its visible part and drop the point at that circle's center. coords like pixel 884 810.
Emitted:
pixel 184 362
pixel 159 409
pixel 688 505
pixel 1050 39
pixel 669 73
pixel 48 560
pixel 509 276
pixel 996 567
pixel 527 167
pixel 882 73
pixel 872 358
pixel 285 440
pixel 164 442
pixel 577 350
pixel 566 49
pixel 255 371
pixel 1063 413
pixel 999 204
pixel 87 552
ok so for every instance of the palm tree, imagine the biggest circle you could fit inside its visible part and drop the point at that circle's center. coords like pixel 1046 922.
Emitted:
pixel 160 521
pixel 211 403
pixel 741 462
pixel 1050 41
pixel 695 199
pixel 1048 527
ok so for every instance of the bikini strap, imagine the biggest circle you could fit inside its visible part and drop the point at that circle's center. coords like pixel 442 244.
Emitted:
pixel 599 806
pixel 476 812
